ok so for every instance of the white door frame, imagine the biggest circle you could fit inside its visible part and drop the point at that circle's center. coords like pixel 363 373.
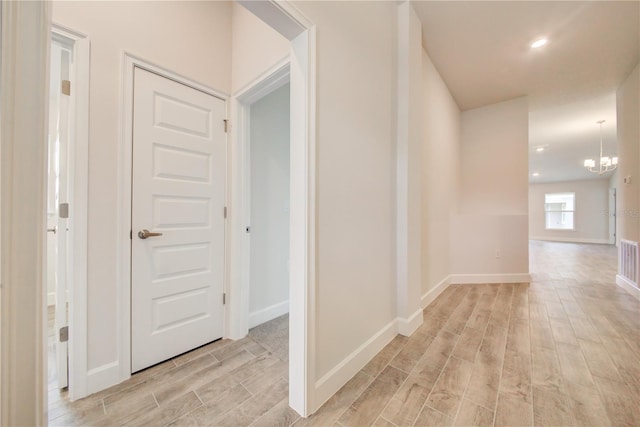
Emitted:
pixel 78 168
pixel 240 179
pixel 125 167
pixel 285 18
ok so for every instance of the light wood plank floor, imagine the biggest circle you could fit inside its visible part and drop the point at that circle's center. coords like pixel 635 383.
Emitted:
pixel 562 351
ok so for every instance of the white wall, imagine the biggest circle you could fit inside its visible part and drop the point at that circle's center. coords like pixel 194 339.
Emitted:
pixel 355 174
pixel 491 248
pixel 269 130
pixel 494 158
pixel 190 38
pixel 591 220
pixel 628 113
pixel 489 233
pixel 255 47
pixel 440 174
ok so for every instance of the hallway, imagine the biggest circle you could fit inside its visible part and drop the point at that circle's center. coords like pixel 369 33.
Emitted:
pixel 561 351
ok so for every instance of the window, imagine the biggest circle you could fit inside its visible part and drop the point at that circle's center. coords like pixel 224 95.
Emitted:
pixel 559 209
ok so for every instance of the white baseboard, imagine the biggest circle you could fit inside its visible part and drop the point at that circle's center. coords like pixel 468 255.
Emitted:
pixel 628 286
pixel 333 380
pixel 458 279
pixel 572 240
pixel 276 310
pixel 408 326
pixel 431 295
pixel 103 377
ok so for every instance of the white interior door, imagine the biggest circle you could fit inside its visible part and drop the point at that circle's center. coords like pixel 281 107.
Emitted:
pixel 178 194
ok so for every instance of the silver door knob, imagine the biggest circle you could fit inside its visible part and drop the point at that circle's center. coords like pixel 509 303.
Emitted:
pixel 144 234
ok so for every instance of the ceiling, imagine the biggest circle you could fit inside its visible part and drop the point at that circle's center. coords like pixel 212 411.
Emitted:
pixel 482 50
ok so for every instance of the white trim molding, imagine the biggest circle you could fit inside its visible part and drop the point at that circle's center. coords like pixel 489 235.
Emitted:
pixel 302 240
pixel 471 279
pixel 258 317
pixel 432 294
pixel 103 377
pixel 408 326
pixel 572 240
pixel 628 286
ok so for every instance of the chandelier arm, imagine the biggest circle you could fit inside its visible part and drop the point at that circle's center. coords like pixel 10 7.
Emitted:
pixel 602 168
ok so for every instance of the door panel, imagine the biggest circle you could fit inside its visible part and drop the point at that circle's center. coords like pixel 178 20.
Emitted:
pixel 178 190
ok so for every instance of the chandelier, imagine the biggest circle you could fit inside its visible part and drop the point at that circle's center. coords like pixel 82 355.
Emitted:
pixel 606 164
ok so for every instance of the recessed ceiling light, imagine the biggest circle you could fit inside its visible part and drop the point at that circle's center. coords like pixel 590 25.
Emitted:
pixel 539 43
pixel 540 149
pixel 535 174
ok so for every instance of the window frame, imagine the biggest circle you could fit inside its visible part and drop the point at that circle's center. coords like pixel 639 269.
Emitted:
pixel 562 211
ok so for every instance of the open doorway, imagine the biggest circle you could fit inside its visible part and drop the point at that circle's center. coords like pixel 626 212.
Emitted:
pixel 299 70
pixel 268 229
pixel 66 215
pixel 58 199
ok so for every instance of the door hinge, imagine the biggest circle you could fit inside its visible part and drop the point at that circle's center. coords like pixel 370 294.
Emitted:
pixel 63 210
pixel 226 126
pixel 225 212
pixel 64 334
pixel 224 298
pixel 130 234
pixel 66 87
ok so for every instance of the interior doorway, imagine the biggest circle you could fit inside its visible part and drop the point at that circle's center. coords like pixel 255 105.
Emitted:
pixel 58 201
pixel 66 213
pixel 299 70
pixel 268 225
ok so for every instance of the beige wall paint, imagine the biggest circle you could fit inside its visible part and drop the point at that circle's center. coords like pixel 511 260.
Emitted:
pixel 355 177
pixel 189 38
pixel 494 158
pixel 628 117
pixel 255 47
pixel 591 219
pixel 440 174
pixel 476 239
pixel 489 234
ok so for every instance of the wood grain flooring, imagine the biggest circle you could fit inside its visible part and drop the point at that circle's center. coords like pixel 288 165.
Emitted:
pixel 561 351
